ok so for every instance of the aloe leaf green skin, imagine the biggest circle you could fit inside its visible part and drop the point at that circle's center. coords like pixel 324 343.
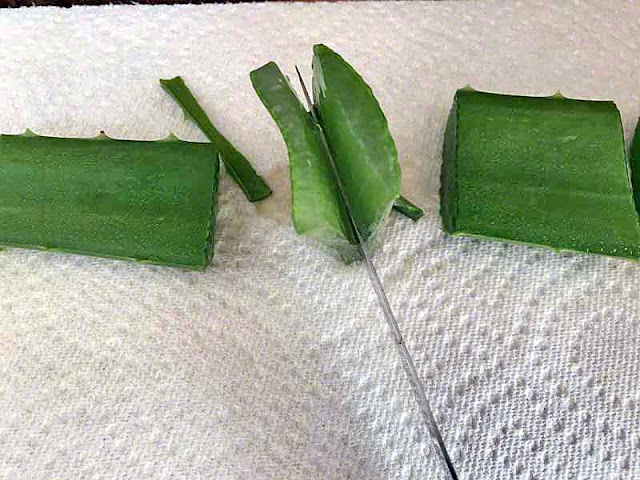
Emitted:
pixel 359 139
pixel 238 167
pixel 634 164
pixel 544 171
pixel 147 201
pixel 317 208
pixel 408 209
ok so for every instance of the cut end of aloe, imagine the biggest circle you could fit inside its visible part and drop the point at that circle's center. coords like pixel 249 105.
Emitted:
pixel 543 171
pixel 146 201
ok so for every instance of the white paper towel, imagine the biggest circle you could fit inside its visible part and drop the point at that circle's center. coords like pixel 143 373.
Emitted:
pixel 274 363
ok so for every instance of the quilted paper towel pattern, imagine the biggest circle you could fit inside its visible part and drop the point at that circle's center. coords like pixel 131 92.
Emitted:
pixel 273 364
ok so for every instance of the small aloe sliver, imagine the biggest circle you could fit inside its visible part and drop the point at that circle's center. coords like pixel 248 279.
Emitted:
pixel 408 209
pixel 238 167
pixel 358 140
pixel 546 171
pixel 148 201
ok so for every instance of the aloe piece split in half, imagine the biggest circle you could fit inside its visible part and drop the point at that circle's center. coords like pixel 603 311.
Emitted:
pixel 359 142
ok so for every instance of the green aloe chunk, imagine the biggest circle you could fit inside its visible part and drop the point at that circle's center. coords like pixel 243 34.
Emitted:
pixel 238 167
pixel 148 201
pixel 408 209
pixel 545 171
pixel 358 137
pixel 317 208
pixel 358 140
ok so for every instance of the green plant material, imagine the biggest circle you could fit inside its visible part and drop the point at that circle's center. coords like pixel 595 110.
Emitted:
pixel 408 209
pixel 317 208
pixel 634 164
pixel 358 137
pixel 544 171
pixel 238 167
pixel 148 201
pixel 360 144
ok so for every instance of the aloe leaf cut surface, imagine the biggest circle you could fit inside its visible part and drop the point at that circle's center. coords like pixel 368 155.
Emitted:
pixel 317 208
pixel 148 201
pixel 238 167
pixel 547 171
pixel 358 137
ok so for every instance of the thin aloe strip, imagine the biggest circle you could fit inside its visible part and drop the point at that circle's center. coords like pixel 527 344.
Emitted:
pixel 238 167
pixel 545 171
pixel 408 209
pixel 147 201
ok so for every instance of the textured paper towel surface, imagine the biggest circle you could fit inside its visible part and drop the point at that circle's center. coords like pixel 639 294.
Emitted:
pixel 274 363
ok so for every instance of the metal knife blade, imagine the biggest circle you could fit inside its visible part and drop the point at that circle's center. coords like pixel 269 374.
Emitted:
pixel 418 388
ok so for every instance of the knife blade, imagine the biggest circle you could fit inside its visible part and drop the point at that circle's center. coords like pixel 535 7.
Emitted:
pixel 418 388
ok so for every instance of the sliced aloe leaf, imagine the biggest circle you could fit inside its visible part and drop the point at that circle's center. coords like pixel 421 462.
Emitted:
pixel 358 137
pixel 317 208
pixel 408 209
pixel 238 167
pixel 148 201
pixel 358 141
pixel 545 171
